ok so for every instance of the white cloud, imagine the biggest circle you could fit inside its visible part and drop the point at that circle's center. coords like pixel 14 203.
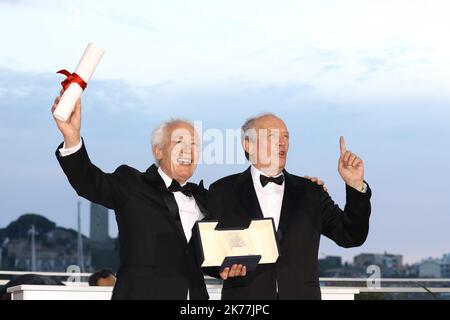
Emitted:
pixel 344 49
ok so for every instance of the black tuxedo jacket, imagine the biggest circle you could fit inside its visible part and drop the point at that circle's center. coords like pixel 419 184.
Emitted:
pixel 156 262
pixel 307 213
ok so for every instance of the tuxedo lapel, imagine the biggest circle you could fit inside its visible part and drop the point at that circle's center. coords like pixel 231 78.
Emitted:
pixel 291 197
pixel 200 194
pixel 171 204
pixel 247 195
pixel 152 176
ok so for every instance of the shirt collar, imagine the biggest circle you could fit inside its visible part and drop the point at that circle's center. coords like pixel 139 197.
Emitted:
pixel 166 178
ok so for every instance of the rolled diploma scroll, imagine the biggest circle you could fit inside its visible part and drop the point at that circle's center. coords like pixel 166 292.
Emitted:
pixel 85 69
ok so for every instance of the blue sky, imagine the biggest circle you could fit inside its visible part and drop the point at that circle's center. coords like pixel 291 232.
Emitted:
pixel 375 71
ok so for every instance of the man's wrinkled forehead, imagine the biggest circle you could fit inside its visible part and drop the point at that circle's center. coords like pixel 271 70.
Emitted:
pixel 181 131
pixel 270 122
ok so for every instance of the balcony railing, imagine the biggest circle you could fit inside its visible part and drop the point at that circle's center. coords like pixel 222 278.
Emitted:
pixel 433 288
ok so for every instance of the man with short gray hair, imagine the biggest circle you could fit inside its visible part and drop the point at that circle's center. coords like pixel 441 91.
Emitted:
pixel 155 210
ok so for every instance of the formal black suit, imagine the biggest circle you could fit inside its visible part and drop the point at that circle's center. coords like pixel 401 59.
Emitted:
pixel 156 262
pixel 307 213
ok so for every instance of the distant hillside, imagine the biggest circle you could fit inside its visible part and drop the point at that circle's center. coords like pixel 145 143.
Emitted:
pixel 20 228
pixel 56 247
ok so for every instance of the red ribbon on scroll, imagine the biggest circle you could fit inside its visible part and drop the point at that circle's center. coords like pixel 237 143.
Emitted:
pixel 72 78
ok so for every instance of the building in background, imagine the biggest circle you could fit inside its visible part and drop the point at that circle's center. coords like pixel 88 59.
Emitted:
pixel 57 248
pixel 435 268
pixel 390 264
pixel 430 268
pixel 104 250
pixel 99 223
pixel 445 266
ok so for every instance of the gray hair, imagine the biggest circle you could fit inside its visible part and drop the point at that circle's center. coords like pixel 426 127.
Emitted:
pixel 157 138
pixel 249 124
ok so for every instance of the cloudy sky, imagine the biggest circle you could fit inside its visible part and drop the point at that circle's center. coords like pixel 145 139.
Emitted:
pixel 374 71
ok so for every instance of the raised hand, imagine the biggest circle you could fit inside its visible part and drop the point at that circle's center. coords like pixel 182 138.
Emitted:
pixel 350 167
pixel 71 128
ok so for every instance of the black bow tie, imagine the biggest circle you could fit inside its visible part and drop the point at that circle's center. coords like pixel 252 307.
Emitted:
pixel 265 180
pixel 186 189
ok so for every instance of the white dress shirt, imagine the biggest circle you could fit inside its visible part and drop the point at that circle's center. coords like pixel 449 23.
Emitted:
pixel 187 207
pixel 270 197
pixel 68 151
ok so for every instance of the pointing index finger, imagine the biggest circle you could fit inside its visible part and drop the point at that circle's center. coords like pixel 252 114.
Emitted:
pixel 342 145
